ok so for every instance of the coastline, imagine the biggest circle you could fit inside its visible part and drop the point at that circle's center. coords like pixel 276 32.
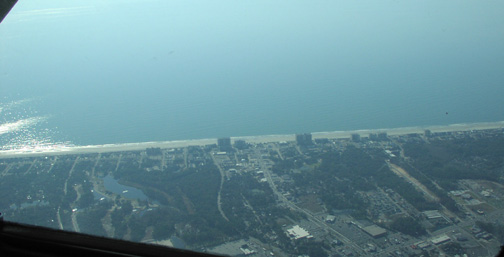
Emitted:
pixel 106 148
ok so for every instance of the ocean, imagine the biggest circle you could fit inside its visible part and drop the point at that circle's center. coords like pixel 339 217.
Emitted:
pixel 89 72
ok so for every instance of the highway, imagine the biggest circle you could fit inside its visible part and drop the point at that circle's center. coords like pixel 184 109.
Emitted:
pixel 310 216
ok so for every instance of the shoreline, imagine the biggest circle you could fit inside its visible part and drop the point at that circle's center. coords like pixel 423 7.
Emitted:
pixel 107 148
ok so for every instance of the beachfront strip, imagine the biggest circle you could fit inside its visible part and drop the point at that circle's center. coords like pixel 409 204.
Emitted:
pixel 61 149
pixel 402 192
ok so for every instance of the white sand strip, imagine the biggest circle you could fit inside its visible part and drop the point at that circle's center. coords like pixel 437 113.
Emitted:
pixel 57 150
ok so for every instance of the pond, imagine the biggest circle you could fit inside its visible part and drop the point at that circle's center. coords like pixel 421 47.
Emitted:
pixel 113 186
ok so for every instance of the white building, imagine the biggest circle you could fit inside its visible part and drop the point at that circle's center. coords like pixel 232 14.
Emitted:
pixel 298 232
pixel 330 218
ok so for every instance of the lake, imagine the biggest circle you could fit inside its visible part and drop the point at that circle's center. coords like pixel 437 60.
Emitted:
pixel 113 186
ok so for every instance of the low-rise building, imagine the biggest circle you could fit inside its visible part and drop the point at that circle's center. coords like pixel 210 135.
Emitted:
pixel 440 239
pixel 374 231
pixel 434 214
pixel 298 232
pixel 330 218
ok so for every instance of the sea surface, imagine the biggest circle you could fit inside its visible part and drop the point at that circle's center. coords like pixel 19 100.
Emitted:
pixel 99 72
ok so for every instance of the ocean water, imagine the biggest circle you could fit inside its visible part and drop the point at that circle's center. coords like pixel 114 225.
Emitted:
pixel 89 72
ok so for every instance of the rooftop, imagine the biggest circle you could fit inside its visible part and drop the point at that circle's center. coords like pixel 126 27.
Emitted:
pixel 298 232
pixel 440 239
pixel 374 230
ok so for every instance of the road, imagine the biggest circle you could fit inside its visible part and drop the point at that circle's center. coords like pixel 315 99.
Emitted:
pixel 220 188
pixel 69 175
pixel 31 166
pixel 58 215
pixel 6 170
pixel 74 213
pixel 310 216
pixel 74 222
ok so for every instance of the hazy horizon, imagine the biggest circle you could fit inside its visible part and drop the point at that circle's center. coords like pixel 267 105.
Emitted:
pixel 94 72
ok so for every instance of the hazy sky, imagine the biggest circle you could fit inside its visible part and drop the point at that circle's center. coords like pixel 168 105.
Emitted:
pixel 378 61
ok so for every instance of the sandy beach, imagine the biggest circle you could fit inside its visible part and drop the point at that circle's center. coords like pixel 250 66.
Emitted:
pixel 59 150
